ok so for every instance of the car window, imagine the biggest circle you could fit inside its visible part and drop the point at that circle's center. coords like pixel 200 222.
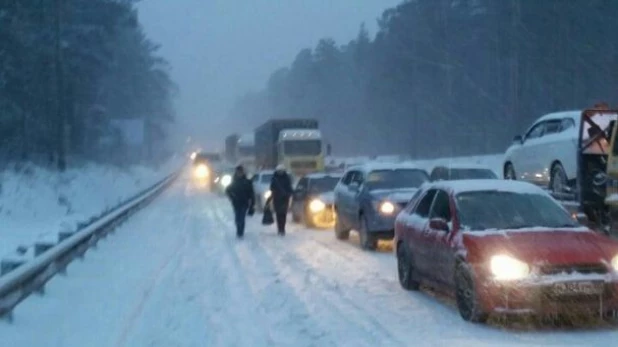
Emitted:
pixel 266 178
pixel 439 173
pixel 536 131
pixel 423 207
pixel 358 177
pixel 413 201
pixel 567 123
pixel 441 207
pixel 553 127
pixel 347 179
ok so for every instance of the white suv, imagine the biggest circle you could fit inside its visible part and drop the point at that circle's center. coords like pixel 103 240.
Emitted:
pixel 547 154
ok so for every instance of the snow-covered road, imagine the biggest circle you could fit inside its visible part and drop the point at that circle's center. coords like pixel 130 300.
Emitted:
pixel 175 275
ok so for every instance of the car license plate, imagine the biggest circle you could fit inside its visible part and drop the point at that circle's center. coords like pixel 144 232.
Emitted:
pixel 578 288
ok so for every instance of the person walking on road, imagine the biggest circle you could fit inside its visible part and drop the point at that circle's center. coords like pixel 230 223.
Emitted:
pixel 241 194
pixel 281 192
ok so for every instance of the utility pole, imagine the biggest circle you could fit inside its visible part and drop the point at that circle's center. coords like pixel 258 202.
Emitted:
pixel 60 102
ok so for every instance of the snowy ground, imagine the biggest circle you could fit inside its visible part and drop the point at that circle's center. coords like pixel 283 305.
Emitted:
pixel 175 275
pixel 36 203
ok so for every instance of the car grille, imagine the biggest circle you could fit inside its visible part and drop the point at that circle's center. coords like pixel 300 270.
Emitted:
pixel 570 269
pixel 303 165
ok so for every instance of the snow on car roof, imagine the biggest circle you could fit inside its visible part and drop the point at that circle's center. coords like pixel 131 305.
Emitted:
pixel 573 114
pixel 374 166
pixel 464 186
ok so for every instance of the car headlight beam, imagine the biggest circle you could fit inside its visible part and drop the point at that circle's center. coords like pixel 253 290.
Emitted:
pixel 202 171
pixel 226 180
pixel 507 268
pixel 615 263
pixel 316 206
pixel 387 207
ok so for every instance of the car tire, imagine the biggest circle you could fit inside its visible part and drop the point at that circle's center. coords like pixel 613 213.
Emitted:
pixel 341 233
pixel 368 242
pixel 467 297
pixel 558 180
pixel 509 172
pixel 405 269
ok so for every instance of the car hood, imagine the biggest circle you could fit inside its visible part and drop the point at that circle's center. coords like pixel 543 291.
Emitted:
pixel 542 245
pixel 395 195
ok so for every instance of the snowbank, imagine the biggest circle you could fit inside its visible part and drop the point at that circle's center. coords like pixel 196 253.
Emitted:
pixel 36 204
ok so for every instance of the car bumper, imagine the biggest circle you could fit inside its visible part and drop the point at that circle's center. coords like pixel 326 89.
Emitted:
pixel 378 223
pixel 549 297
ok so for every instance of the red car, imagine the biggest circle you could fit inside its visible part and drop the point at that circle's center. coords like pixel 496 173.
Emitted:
pixel 504 247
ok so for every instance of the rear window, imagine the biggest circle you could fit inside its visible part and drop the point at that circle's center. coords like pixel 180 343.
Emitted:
pixel 467 174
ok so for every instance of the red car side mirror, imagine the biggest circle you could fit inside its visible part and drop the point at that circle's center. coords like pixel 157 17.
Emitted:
pixel 438 224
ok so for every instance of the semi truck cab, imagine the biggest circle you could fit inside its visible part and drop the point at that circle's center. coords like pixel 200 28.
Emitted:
pixel 301 151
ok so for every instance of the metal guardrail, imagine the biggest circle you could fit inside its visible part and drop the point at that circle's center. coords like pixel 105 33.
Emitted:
pixel 22 278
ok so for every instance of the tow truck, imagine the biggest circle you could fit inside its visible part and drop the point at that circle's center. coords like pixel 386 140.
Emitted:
pixel 594 200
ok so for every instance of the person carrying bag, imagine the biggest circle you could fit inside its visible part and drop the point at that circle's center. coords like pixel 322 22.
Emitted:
pixel 241 195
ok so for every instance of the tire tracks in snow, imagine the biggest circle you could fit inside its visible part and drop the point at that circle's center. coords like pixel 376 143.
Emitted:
pixel 333 311
pixel 282 314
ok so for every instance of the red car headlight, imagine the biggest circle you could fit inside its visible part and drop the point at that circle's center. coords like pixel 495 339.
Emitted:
pixel 507 268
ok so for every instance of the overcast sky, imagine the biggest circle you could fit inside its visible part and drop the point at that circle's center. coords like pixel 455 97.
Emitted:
pixel 220 49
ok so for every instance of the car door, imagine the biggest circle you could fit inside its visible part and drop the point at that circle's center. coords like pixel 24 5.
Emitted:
pixel 299 197
pixel 525 162
pixel 416 227
pixel 342 195
pixel 440 241
pixel 355 198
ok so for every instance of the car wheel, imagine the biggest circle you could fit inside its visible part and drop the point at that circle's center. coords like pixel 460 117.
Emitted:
pixel 341 233
pixel 509 172
pixel 405 269
pixel 466 296
pixel 558 181
pixel 367 241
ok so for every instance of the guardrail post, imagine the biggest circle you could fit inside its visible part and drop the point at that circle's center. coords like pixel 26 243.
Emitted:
pixel 8 265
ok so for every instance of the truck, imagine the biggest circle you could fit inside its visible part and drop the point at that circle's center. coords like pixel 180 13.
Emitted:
pixel 231 145
pixel 245 151
pixel 295 143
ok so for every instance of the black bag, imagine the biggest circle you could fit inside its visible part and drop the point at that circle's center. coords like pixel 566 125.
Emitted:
pixel 267 218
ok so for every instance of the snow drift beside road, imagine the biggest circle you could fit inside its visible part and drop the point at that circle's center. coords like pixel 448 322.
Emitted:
pixel 37 203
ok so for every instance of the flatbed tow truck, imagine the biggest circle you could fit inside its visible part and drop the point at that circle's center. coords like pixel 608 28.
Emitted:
pixel 593 200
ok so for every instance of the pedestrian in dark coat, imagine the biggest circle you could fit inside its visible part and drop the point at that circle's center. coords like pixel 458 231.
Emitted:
pixel 281 192
pixel 241 194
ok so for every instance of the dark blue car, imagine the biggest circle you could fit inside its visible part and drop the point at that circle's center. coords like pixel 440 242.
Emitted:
pixel 369 197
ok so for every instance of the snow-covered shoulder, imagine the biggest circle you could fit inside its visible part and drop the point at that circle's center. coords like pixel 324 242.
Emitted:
pixel 477 185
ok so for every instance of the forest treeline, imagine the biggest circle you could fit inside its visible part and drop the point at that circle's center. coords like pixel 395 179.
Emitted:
pixel 79 80
pixel 448 77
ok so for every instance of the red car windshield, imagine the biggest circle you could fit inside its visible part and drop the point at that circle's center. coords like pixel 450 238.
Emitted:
pixel 483 210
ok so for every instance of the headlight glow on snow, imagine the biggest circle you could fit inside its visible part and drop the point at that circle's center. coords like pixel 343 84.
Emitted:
pixel 387 207
pixel 267 194
pixel 506 268
pixel 226 180
pixel 615 263
pixel 201 171
pixel 316 206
